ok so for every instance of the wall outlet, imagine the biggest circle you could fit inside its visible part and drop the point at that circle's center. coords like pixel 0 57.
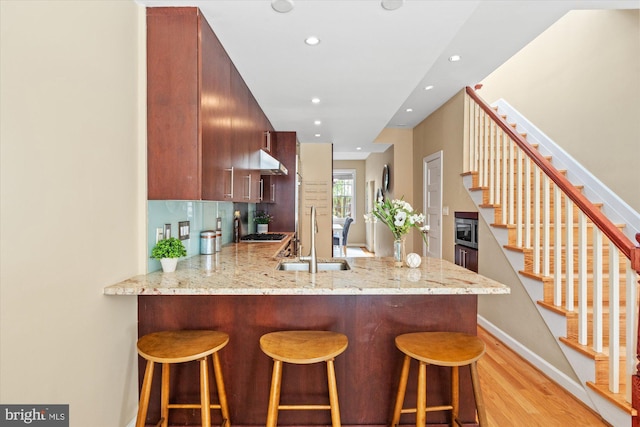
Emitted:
pixel 159 234
pixel 183 230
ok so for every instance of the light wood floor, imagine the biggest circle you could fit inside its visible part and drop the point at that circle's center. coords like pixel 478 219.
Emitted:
pixel 517 394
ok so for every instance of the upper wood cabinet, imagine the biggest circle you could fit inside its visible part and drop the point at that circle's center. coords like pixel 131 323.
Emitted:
pixel 279 191
pixel 204 126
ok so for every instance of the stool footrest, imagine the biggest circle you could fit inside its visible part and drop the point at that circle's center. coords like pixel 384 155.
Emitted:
pixel 190 406
pixel 304 407
pixel 429 409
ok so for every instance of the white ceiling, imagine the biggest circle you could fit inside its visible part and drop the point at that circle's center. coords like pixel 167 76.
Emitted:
pixel 371 64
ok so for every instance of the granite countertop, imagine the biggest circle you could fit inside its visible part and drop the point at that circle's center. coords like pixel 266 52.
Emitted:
pixel 250 269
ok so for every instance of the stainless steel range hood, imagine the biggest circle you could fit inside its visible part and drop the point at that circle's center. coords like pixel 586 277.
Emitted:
pixel 270 165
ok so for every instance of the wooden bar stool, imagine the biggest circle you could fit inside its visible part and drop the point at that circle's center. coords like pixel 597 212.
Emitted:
pixel 452 349
pixel 169 347
pixel 302 348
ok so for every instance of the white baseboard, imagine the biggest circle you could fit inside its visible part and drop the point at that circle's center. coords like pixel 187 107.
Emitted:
pixel 560 378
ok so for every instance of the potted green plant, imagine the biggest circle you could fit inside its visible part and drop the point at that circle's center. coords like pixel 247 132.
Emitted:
pixel 168 251
pixel 263 219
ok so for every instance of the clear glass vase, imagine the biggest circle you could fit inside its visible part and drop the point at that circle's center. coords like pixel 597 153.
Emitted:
pixel 399 252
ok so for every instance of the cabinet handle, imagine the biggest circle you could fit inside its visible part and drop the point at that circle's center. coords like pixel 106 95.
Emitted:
pixel 267 141
pixel 273 193
pixel 261 189
pixel 230 194
pixel 248 192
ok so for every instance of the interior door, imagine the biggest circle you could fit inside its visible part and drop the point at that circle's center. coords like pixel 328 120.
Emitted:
pixel 432 185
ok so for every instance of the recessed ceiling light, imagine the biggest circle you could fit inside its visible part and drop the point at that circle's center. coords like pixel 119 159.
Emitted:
pixel 391 4
pixel 312 41
pixel 358 148
pixel 282 6
pixel 454 58
pixel 317 123
pixel 408 110
pixel 315 100
pixel 317 135
pixel 428 87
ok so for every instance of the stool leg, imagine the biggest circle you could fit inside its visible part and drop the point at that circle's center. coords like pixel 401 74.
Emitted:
pixel 143 406
pixel 205 404
pixel 222 394
pixel 164 394
pixel 333 394
pixel 477 394
pixel 421 404
pixel 274 394
pixel 402 388
pixel 455 394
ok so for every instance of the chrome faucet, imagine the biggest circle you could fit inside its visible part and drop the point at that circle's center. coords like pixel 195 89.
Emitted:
pixel 312 258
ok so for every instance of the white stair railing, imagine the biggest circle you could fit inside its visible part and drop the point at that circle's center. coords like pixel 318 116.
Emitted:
pixel 537 203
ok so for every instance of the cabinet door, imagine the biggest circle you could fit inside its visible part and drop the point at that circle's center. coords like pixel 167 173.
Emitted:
pixel 283 187
pixel 216 118
pixel 466 257
pixel 256 132
pixel 269 188
pixel 268 142
pixel 458 257
pixel 472 260
pixel 173 143
pixel 239 137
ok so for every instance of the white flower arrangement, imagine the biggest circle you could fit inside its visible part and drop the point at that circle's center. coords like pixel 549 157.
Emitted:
pixel 399 216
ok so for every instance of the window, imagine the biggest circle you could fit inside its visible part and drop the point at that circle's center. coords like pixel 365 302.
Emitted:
pixel 344 194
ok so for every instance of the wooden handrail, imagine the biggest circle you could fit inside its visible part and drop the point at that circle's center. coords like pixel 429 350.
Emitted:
pixel 614 234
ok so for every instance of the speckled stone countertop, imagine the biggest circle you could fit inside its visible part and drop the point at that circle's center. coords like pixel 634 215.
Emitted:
pixel 250 269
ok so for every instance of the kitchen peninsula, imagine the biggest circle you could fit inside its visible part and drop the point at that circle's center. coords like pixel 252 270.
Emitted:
pixel 240 291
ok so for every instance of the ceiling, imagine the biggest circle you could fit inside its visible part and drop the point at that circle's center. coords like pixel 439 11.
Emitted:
pixel 371 64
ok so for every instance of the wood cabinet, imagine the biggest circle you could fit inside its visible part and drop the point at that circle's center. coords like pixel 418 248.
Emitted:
pixel 466 257
pixel 279 191
pixel 204 126
pixel 268 187
pixel 269 142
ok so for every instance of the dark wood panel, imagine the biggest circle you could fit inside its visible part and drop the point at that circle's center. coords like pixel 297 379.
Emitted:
pixel 216 105
pixel 172 104
pixel 283 210
pixel 366 373
pixel 202 117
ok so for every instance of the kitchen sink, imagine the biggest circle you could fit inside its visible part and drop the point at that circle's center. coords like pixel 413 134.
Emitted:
pixel 338 265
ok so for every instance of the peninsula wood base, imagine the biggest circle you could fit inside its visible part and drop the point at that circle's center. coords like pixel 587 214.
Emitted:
pixel 367 372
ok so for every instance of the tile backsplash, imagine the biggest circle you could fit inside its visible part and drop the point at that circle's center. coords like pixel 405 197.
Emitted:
pixel 201 216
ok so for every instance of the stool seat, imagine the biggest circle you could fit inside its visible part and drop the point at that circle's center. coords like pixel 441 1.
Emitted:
pixel 180 346
pixel 441 348
pixel 170 347
pixel 303 347
pixel 448 349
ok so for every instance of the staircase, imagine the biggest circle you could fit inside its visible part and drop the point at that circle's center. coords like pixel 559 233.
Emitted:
pixel 577 265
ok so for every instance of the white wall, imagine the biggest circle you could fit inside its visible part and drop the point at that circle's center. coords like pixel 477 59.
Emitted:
pixel 72 212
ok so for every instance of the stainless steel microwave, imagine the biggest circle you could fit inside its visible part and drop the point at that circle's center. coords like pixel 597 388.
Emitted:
pixel 466 229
